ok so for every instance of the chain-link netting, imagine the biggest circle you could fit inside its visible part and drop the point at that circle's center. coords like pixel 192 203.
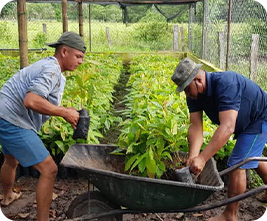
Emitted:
pixel 247 41
pixel 149 28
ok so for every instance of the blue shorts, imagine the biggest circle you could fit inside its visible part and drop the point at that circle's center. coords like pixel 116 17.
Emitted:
pixel 23 144
pixel 249 145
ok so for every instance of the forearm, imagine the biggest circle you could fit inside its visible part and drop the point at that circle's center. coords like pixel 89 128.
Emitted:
pixel 42 106
pixel 195 140
pixel 219 139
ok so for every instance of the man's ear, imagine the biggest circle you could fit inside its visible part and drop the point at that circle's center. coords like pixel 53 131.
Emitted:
pixel 198 81
pixel 63 51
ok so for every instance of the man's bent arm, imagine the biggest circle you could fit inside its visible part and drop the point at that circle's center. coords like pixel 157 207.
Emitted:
pixel 42 106
pixel 219 139
pixel 222 134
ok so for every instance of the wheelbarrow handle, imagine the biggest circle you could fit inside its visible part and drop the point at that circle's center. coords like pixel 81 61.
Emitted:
pixel 230 169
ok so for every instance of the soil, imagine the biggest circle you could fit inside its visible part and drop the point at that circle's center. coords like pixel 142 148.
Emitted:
pixel 69 185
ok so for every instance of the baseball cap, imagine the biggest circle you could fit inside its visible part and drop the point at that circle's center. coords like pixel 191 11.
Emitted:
pixel 70 39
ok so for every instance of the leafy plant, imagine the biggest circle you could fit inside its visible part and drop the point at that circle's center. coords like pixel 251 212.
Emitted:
pixel 157 118
pixel 39 40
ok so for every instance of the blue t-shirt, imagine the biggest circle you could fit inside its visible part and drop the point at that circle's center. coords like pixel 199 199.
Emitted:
pixel 232 91
pixel 43 78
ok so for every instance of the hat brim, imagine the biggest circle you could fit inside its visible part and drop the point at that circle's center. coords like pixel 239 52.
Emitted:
pixel 53 45
pixel 189 79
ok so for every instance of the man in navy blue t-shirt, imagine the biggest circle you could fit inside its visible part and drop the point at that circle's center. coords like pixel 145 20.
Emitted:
pixel 239 107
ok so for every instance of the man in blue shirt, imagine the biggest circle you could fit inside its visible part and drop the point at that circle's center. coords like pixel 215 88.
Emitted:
pixel 27 100
pixel 239 107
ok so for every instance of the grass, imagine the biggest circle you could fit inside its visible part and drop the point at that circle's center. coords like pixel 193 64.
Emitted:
pixel 124 38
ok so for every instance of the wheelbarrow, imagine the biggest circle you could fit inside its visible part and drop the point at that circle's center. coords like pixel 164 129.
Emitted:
pixel 119 193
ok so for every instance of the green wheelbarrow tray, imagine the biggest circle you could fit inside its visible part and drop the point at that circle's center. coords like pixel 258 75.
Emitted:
pixel 106 172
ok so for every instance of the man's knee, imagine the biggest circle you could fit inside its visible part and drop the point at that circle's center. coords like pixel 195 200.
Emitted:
pixel 47 168
pixel 10 161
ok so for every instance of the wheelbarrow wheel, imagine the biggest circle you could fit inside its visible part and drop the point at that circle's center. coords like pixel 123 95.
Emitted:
pixel 96 203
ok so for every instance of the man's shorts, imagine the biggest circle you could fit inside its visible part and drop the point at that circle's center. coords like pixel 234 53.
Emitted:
pixel 249 145
pixel 23 144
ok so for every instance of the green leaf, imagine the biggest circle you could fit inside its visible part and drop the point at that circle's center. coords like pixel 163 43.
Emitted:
pixel 60 144
pixel 131 161
pixel 150 162
pixel 143 156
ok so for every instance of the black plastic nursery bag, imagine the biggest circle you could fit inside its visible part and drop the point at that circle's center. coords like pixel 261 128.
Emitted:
pixel 82 128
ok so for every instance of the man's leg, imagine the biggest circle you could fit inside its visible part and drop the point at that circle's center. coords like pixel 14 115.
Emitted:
pixel 44 192
pixel 262 172
pixel 237 185
pixel 8 173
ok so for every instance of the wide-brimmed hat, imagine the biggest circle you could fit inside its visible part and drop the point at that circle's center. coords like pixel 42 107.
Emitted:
pixel 70 39
pixel 184 73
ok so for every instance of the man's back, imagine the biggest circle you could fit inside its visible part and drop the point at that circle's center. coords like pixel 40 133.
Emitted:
pixel 232 91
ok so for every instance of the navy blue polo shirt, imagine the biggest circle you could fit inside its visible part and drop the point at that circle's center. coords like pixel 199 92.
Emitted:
pixel 232 91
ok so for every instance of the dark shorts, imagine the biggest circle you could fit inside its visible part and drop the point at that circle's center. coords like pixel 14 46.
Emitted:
pixel 249 145
pixel 23 144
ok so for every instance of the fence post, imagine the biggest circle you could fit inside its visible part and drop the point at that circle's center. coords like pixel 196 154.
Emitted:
pixel 44 28
pixel 23 39
pixel 64 15
pixel 221 49
pixel 175 37
pixel 191 12
pixel 182 37
pixel 254 57
pixel 108 37
pixel 80 4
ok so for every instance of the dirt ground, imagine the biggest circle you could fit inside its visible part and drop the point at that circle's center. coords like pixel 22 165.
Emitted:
pixel 65 190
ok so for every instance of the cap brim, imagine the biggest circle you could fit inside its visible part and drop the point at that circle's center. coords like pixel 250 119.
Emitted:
pixel 53 45
pixel 189 79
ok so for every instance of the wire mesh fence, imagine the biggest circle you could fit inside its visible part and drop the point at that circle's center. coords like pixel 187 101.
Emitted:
pixel 247 40
pixel 150 28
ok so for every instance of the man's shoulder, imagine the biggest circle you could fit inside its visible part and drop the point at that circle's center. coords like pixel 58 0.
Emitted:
pixel 47 64
pixel 227 77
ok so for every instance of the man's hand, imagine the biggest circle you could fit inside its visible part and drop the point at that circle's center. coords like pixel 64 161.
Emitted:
pixel 197 164
pixel 72 116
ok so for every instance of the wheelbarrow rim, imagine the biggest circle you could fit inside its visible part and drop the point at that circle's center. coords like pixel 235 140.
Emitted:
pixel 149 180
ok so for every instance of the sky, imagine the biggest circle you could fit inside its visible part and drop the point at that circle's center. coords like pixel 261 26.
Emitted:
pixel 4 2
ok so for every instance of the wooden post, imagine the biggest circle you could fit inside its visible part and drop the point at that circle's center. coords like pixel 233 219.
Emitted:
pixel 204 28
pixel 108 37
pixel 190 27
pixel 81 19
pixel 221 49
pixel 65 15
pixel 228 33
pixel 175 37
pixel 182 38
pixel 254 57
pixel 44 28
pixel 22 29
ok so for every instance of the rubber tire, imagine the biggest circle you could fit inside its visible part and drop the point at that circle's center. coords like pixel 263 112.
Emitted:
pixel 98 204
